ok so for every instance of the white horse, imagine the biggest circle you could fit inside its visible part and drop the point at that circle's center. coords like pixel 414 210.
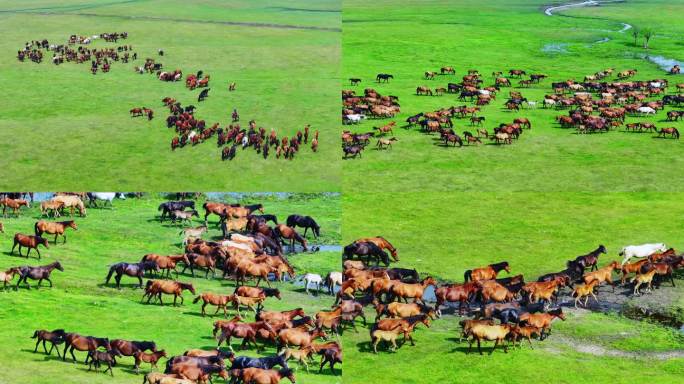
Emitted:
pixel 641 251
pixel 531 104
pixel 354 118
pixel 333 279
pixel 106 196
pixel 311 278
pixel 549 102
pixel 646 111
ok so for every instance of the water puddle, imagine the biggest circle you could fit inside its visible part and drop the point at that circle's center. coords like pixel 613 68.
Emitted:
pixel 555 48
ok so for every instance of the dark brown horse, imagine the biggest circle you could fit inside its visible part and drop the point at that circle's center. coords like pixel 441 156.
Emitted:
pixel 54 228
pixel 37 273
pixel 590 260
pixel 130 269
pixel 30 242
pixel 55 338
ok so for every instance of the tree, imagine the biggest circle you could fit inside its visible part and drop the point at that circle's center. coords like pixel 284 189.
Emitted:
pixel 635 35
pixel 648 35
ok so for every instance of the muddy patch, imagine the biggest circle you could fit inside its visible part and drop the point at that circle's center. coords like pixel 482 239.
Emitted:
pixel 599 350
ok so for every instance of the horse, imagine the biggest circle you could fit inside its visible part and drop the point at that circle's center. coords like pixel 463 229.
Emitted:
pixel 590 259
pixel 415 291
pixel 7 276
pixel 266 376
pixel 382 243
pixel 542 320
pixel 30 242
pixel 108 197
pixel 640 251
pixel 158 287
pixel 456 293
pixel 333 279
pixel 486 273
pixel 266 362
pixel 311 278
pixel 83 343
pixel 152 358
pixel 131 269
pixel 54 228
pixel 584 291
pixel 14 204
pixel 220 301
pixel 97 358
pixel 384 77
pixel 203 95
pixel 50 206
pixel 497 333
pixel 170 206
pixel 37 273
pixel 72 202
pixel 672 131
pixel 245 331
pixel 289 233
pixel 367 249
pixel 305 222
pixel 55 338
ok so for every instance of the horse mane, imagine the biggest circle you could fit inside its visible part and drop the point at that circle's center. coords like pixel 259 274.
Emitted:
pixel 555 311
pixel 184 285
pixel 67 222
pixel 499 266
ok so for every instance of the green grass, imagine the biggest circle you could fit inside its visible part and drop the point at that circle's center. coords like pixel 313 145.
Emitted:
pixel 445 234
pixel 80 301
pixel 74 129
pixel 408 39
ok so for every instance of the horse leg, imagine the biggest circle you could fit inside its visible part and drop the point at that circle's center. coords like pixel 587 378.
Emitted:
pixel 72 354
pixel 49 281
pixel 479 348
pixel 36 349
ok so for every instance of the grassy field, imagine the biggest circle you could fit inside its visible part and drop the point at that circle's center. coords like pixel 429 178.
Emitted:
pixel 445 234
pixel 81 302
pixel 74 129
pixel 408 39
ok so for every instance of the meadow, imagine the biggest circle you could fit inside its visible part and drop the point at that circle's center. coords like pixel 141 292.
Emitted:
pixel 407 39
pixel 443 235
pixel 81 302
pixel 74 128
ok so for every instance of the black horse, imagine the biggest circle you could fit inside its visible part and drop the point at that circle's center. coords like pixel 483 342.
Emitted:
pixel 384 77
pixel 37 273
pixel 507 315
pixel 305 222
pixel 573 273
pixel 131 269
pixel 404 274
pixel 266 218
pixel 268 362
pixel 368 250
pixel 590 259
pixel 203 95
pixel 171 206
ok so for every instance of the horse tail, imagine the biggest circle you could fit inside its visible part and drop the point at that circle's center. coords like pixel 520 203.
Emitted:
pixel 468 275
pixel 111 272
pixel 197 299
pixel 676 133
pixel 622 252
pixel 36 229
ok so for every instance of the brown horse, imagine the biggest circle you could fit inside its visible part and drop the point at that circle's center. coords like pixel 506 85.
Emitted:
pixel 30 242
pixel 456 293
pixel 83 343
pixel 405 325
pixel 486 273
pixel 55 338
pixel 152 358
pixel 248 267
pixel 13 204
pixel 159 287
pixel 266 376
pixel 497 333
pixel 405 290
pixel 289 233
pixel 275 316
pixel 54 228
pixel 246 331
pixel 631 268
pixel 672 131
pixel 298 337
pixel 166 262
pixel 542 320
pixel 220 301
pixel 382 243
pixel 602 274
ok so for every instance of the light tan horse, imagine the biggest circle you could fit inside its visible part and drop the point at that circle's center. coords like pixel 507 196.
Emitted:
pixel 54 228
pixel 71 202
pixel 50 206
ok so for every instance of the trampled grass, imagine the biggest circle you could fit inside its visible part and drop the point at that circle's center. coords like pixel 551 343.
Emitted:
pixel 81 302
pixel 408 39
pixel 444 234
pixel 74 129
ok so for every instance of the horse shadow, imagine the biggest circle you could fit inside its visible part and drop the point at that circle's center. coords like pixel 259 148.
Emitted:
pixel 16 255
pixel 113 285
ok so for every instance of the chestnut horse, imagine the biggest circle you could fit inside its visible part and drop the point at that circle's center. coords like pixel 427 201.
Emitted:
pixel 14 204
pixel 220 301
pixel 285 232
pixel 30 242
pixel 486 273
pixel 158 287
pixel 415 291
pixel 54 228
pixel 83 343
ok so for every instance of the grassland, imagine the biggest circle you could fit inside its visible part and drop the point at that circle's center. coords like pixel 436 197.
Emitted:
pixel 81 302
pixel 445 234
pixel 73 128
pixel 408 39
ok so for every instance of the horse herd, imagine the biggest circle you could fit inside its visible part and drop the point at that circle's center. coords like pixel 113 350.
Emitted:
pixel 253 252
pixel 616 99
pixel 506 310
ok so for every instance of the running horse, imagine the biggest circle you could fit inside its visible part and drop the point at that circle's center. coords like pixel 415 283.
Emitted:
pixel 54 228
pixel 30 242
pixel 37 273
pixel 305 222
pixel 590 259
pixel 382 243
pixel 486 273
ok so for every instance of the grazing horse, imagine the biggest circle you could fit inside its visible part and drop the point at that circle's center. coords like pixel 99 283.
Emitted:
pixel 158 287
pixel 486 273
pixel 131 269
pixel 54 228
pixel 83 343
pixel 640 251
pixel 55 338
pixel 590 259
pixel 384 77
pixel 30 242
pixel 672 131
pixel 171 206
pixel 72 202
pixel 382 243
pixel 367 249
pixel 286 232
pixel 311 278
pixel 305 222
pixel 37 273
